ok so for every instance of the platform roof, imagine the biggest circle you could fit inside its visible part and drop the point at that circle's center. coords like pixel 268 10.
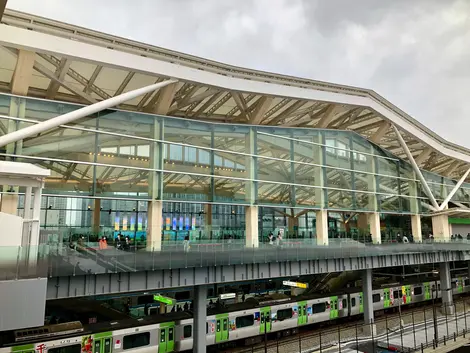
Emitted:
pixel 79 65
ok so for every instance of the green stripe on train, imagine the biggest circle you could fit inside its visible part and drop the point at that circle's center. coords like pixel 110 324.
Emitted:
pixel 103 335
pixel 167 324
pixel 24 347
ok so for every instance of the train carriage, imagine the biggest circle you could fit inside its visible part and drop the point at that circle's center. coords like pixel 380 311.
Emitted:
pixel 173 332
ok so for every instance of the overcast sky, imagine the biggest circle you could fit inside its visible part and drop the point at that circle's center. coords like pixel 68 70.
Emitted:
pixel 416 53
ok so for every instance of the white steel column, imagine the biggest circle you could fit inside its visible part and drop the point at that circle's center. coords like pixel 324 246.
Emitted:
pixel 155 225
pixel 426 188
pixel 416 231
pixel 374 223
pixel 78 114
pixel 440 228
pixel 454 190
pixel 322 227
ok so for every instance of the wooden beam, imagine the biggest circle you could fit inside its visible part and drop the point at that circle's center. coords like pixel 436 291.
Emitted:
pixel 23 72
pixel 165 98
pixel 3 5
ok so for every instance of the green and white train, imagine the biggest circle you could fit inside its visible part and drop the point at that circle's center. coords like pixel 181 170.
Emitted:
pixel 244 322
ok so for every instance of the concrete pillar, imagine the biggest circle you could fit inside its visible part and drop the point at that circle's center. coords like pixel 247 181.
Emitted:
pixel 322 227
pixel 363 223
pixel 446 288
pixel 251 227
pixel 96 221
pixel 369 323
pixel 374 223
pixel 9 203
pixel 292 224
pixel 440 228
pixel 155 226
pixel 416 228
pixel 200 319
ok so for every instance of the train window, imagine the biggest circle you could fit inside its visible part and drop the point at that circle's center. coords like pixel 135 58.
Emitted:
pixel 418 290
pixel 188 331
pixel 375 298
pixel 345 304
pixel 319 308
pixel 284 314
pixel 75 348
pixel 207 328
pixel 170 334
pixel 353 302
pixel 395 294
pixel 136 340
pixel 466 282
pixel 244 321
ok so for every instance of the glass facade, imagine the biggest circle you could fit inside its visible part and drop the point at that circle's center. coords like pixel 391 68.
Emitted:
pixel 127 158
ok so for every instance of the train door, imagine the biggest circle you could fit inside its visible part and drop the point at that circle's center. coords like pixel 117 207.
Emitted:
pixel 386 297
pixel 167 338
pixel 333 307
pixel 460 285
pixel 427 291
pixel 409 298
pixel 302 314
pixel 221 328
pixel 103 342
pixel 361 303
pixel 265 322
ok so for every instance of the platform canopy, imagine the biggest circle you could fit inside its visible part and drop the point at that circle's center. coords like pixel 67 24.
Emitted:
pixel 74 64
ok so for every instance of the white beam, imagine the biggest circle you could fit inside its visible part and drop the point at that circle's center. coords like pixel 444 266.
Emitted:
pixel 79 113
pixel 23 72
pixel 454 190
pixel 426 188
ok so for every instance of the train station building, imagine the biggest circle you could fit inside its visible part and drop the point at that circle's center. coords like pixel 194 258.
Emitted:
pixel 218 150
pixel 157 145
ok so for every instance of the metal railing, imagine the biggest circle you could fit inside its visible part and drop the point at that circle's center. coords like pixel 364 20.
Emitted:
pixel 76 258
pixel 414 330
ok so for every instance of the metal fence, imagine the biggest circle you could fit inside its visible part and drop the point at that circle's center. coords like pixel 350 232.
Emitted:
pixel 411 331
pixel 64 259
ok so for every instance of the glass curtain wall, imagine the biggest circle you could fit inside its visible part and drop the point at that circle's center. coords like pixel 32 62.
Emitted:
pixel 126 159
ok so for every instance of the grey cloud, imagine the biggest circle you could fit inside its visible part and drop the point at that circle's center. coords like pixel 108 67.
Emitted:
pixel 415 53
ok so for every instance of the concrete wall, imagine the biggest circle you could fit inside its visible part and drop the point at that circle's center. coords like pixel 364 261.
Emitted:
pixel 22 304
